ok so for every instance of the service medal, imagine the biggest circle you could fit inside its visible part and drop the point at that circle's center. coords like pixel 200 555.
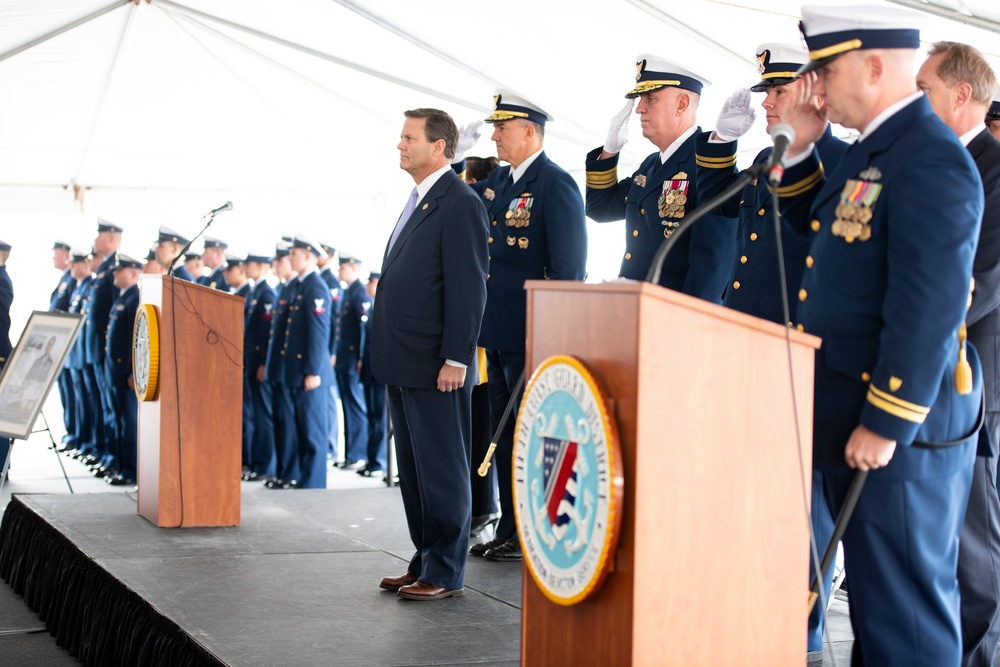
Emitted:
pixel 640 180
pixel 519 212
pixel 854 212
pixel 673 198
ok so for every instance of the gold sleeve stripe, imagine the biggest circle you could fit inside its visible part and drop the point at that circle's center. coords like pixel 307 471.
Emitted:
pixel 804 185
pixel 715 162
pixel 602 180
pixel 895 410
pixel 834 50
pixel 913 407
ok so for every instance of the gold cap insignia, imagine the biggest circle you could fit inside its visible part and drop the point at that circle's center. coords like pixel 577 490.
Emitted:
pixel 762 60
pixel 639 66
pixel 496 101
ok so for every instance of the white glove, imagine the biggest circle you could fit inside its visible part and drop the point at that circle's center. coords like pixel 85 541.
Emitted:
pixel 468 135
pixel 736 116
pixel 618 132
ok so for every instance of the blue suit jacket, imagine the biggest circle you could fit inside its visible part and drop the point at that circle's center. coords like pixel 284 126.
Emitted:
pixel 181 272
pixel 984 314
pixel 98 311
pixel 888 301
pixel 308 327
pixel 118 347
pixel 366 336
pixel 216 279
pixel 348 328
pixel 700 263
pixel 6 298
pixel 257 327
pixel 754 285
pixel 276 343
pixel 333 282
pixel 62 294
pixel 430 299
pixel 551 242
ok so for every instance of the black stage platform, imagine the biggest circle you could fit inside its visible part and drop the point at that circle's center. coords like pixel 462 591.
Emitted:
pixel 295 584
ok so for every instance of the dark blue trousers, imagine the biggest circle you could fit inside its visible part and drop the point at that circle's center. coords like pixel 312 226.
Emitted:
pixel 127 407
pixel 84 413
pixel 375 408
pixel 286 447
pixel 248 425
pixel 333 448
pixel 110 414
pixel 312 428
pixel 503 370
pixel 93 389
pixel 822 526
pixel 352 396
pixel 262 452
pixel 68 397
pixel 484 489
pixel 432 433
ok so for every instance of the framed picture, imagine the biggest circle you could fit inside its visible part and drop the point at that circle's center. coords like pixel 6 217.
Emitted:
pixel 32 368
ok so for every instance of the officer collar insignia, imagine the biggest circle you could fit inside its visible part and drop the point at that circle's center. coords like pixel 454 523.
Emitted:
pixel 870 174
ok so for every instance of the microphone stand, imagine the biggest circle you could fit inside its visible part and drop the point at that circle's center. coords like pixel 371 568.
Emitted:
pixel 656 267
pixel 173 263
pixel 839 527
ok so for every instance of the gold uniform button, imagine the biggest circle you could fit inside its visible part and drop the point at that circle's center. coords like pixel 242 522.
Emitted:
pixel 760 212
pixel 635 233
pixel 487 276
pixel 736 284
pixel 626 199
pixel 298 356
pixel 753 236
pixel 743 259
pixel 282 352
pixel 809 261
pixel 642 211
pixel 866 377
pixel 351 348
pixel 257 347
pixel 494 223
pixel 628 256
pixel 803 295
pixel 814 225
pixel 491 239
pixel 799 327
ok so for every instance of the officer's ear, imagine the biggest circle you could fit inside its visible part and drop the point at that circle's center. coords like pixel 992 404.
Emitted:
pixel 683 103
pixel 963 94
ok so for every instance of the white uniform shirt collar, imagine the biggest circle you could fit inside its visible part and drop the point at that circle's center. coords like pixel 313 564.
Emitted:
pixel 515 174
pixel 888 113
pixel 425 185
pixel 972 134
pixel 672 148
pixel 306 273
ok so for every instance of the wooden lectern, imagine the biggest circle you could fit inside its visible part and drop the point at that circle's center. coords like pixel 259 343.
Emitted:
pixel 190 435
pixel 712 562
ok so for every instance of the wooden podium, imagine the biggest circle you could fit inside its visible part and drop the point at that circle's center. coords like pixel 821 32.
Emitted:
pixel 190 435
pixel 712 561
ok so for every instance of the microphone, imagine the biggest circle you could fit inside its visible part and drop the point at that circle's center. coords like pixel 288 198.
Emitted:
pixel 783 136
pixel 228 206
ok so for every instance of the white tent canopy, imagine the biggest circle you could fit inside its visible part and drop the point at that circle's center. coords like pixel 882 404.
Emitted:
pixel 152 112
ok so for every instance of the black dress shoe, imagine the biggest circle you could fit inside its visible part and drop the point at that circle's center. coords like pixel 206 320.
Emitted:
pixel 481 549
pixel 282 484
pixel 508 551
pixel 481 521
pixel 372 474
pixel 252 476
pixel 120 480
pixel 354 464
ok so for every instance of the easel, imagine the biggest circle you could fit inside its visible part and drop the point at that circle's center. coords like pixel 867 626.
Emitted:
pixel 6 463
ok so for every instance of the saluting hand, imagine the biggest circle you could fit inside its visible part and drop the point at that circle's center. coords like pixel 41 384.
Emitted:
pixel 468 135
pixel 450 378
pixel 618 132
pixel 867 450
pixel 736 117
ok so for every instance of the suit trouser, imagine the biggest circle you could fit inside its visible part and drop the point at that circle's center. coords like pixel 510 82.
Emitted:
pixel 484 489
pixel 68 397
pixel 979 562
pixel 352 396
pixel 312 429
pixel 95 406
pixel 110 412
pixel 248 425
pixel 375 409
pixel 262 454
pixel 127 407
pixel 901 555
pixel 503 370
pixel 822 527
pixel 432 433
pixel 286 448
pixel 333 448
pixel 84 413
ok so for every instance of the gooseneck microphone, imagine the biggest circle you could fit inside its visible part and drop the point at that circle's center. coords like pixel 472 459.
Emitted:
pixel 783 136
pixel 228 206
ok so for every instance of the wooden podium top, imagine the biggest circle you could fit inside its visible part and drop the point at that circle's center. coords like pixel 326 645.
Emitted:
pixel 644 290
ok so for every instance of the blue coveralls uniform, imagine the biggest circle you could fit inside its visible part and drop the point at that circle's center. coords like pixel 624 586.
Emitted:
pixel 886 287
pixel 6 298
pixel 307 336
pixel 59 302
pixel 118 369
pixel 537 230
pixel 84 406
pixel 348 353
pixel 332 280
pixel 257 326
pixel 102 295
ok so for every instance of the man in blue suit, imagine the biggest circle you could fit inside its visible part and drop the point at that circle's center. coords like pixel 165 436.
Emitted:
pixel 118 367
pixel 428 309
pixel 83 406
pixel 256 329
pixel 374 390
pixel 654 200
pixel 538 230
pixel 59 301
pixel 886 285
pixel 959 83
pixel 755 282
pixel 214 257
pixel 347 363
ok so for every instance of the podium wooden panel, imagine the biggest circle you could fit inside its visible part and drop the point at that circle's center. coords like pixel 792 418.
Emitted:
pixel 712 563
pixel 190 436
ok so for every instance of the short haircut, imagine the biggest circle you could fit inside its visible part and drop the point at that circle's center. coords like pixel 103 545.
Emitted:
pixel 439 126
pixel 965 64
pixel 480 167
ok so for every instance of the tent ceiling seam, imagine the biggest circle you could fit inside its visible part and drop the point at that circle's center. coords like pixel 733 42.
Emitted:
pixel 66 28
pixel 951 14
